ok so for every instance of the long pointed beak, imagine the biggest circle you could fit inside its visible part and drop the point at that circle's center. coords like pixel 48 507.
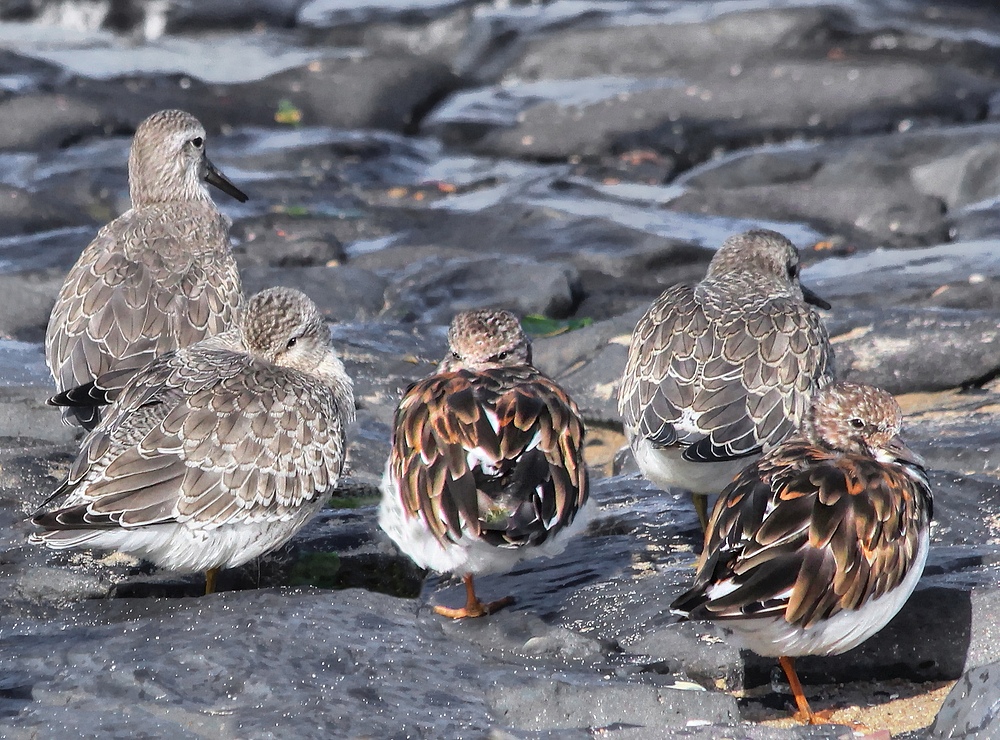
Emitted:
pixel 216 178
pixel 814 299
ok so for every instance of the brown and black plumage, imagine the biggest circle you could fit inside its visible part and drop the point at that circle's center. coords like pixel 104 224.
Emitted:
pixel 816 546
pixel 216 453
pixel 719 371
pixel 158 277
pixel 486 467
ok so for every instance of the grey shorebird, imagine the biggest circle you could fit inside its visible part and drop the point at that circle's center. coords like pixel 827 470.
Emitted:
pixel 816 546
pixel 158 277
pixel 486 467
pixel 215 453
pixel 719 371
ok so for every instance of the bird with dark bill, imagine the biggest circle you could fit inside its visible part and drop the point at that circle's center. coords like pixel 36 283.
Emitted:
pixel 817 545
pixel 486 465
pixel 216 453
pixel 720 371
pixel 159 277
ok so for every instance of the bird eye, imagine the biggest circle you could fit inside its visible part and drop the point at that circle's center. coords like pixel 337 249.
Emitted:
pixel 291 342
pixel 856 423
pixel 793 271
pixel 197 141
pixel 503 355
pixel 456 355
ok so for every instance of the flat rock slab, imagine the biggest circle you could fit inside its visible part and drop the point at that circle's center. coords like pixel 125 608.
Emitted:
pixel 341 664
pixel 972 709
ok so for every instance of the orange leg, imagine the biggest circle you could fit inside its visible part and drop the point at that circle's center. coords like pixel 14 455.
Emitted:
pixel 473 606
pixel 805 713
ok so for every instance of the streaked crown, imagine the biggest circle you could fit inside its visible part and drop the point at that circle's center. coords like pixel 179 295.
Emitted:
pixel 284 326
pixel 760 252
pixel 167 159
pixel 486 338
pixel 850 417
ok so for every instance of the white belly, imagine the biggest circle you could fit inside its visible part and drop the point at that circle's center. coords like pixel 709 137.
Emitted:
pixel 665 467
pixel 774 637
pixel 185 549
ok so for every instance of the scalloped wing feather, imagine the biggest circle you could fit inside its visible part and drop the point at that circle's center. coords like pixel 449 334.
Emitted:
pixel 724 386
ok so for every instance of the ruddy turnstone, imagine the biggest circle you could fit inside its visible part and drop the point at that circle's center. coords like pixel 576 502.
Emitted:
pixel 817 545
pixel 215 453
pixel 486 467
pixel 720 370
pixel 158 277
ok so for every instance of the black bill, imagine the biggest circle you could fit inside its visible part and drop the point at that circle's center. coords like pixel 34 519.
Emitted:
pixel 216 178
pixel 807 294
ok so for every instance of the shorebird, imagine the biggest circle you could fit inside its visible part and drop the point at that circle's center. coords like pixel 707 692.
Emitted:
pixel 486 467
pixel 216 453
pixel 817 545
pixel 158 277
pixel 719 371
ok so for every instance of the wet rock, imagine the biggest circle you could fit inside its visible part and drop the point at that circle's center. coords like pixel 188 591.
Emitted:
pixel 589 363
pixel 23 212
pixel 906 350
pixel 318 645
pixel 201 15
pixel 286 241
pixel 958 431
pixel 386 92
pixel 972 709
pixel 26 300
pixel 331 13
pixel 435 289
pixel 902 189
pixel 342 293
pixel 24 414
pixel 563 705
pixel 380 91
pixel 692 117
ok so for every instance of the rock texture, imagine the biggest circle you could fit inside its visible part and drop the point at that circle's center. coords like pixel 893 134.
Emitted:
pixel 407 160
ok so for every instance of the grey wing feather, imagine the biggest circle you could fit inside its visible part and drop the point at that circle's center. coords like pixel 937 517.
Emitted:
pixel 722 385
pixel 166 452
pixel 150 282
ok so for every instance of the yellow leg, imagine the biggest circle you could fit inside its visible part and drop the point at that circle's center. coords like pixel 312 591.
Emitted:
pixel 473 606
pixel 210 575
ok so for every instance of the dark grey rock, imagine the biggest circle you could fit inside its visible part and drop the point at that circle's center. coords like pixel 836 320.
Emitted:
pixel 286 241
pixel 956 275
pixel 972 709
pixel 26 300
pixel 342 293
pixel 23 414
pixel 23 212
pixel 435 289
pixel 202 15
pixel 562 705
pixel 694 116
pixel 904 350
pixel 386 91
pixel 327 13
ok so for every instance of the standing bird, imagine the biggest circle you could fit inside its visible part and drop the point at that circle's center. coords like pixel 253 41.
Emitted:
pixel 719 371
pixel 216 453
pixel 486 467
pixel 816 546
pixel 158 277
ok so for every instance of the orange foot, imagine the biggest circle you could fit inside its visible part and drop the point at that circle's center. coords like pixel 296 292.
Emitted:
pixel 474 609
pixel 821 717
